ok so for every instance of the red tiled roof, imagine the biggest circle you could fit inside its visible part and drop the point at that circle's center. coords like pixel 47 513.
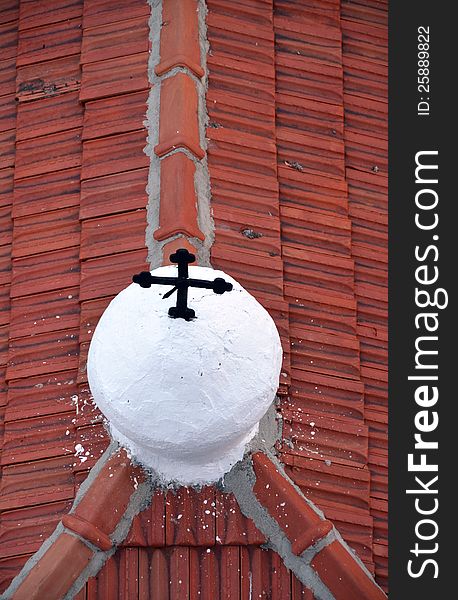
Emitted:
pixel 297 162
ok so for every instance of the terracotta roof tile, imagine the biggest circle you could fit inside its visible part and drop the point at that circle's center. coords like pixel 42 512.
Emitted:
pixel 5 264
pixel 342 575
pixel 41 395
pixel 50 115
pixel 115 154
pixel 232 527
pixel 4 304
pixel 7 152
pixel 106 276
pixel 190 517
pixel 48 231
pixel 114 76
pixel 179 45
pixel 23 530
pixel 113 194
pixel 7 112
pixel 56 40
pixel 9 11
pixel 178 199
pixel 333 440
pixel 7 77
pixel 178 129
pixel 112 40
pixel 258 86
pixel 33 13
pixel 49 77
pixel 116 482
pixel 67 550
pixel 47 192
pixel 259 13
pixel 3 345
pixel 38 438
pixel 171 247
pixel 43 353
pixel 10 567
pixel 125 230
pixel 41 313
pixel 33 275
pixel 6 228
pixel 109 116
pixel 37 482
pixel 299 522
pixel 148 528
pixel 326 12
pixel 102 12
pixel 8 39
pixel 94 439
pixel 6 186
pixel 237 112
pixel 48 153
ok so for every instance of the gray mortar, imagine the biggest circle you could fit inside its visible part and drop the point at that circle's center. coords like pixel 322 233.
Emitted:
pixel 240 481
pixel 201 176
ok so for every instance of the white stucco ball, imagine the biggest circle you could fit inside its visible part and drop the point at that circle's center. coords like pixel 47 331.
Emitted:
pixel 185 397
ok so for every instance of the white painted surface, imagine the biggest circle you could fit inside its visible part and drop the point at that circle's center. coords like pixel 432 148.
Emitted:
pixel 185 397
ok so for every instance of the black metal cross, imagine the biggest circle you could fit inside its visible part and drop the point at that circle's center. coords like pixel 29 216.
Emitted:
pixel 181 284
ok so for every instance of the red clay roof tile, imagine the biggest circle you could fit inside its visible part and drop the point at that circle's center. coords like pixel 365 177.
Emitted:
pixel 50 115
pixel 125 230
pixel 49 77
pixel 190 517
pixel 122 38
pixel 7 149
pixel 113 194
pixel 102 12
pixel 109 116
pixel 41 395
pixel 37 438
pixel 107 498
pixel 6 186
pixel 23 530
pixel 42 313
pixel 7 112
pixel 56 40
pixel 299 522
pixel 37 482
pixel 148 527
pixel 8 40
pixel 232 527
pixel 178 128
pixel 43 353
pixel 47 192
pixel 340 572
pixel 9 11
pixel 178 200
pixel 36 14
pixel 33 275
pixel 179 45
pixel 49 153
pixel 115 76
pixel 47 580
pixel 171 247
pixel 106 276
pixel 48 231
pixel 114 154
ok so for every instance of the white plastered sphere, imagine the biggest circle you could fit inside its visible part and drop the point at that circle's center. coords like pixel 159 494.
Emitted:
pixel 185 397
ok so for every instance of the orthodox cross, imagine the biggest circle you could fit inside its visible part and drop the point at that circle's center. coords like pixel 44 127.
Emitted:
pixel 181 284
